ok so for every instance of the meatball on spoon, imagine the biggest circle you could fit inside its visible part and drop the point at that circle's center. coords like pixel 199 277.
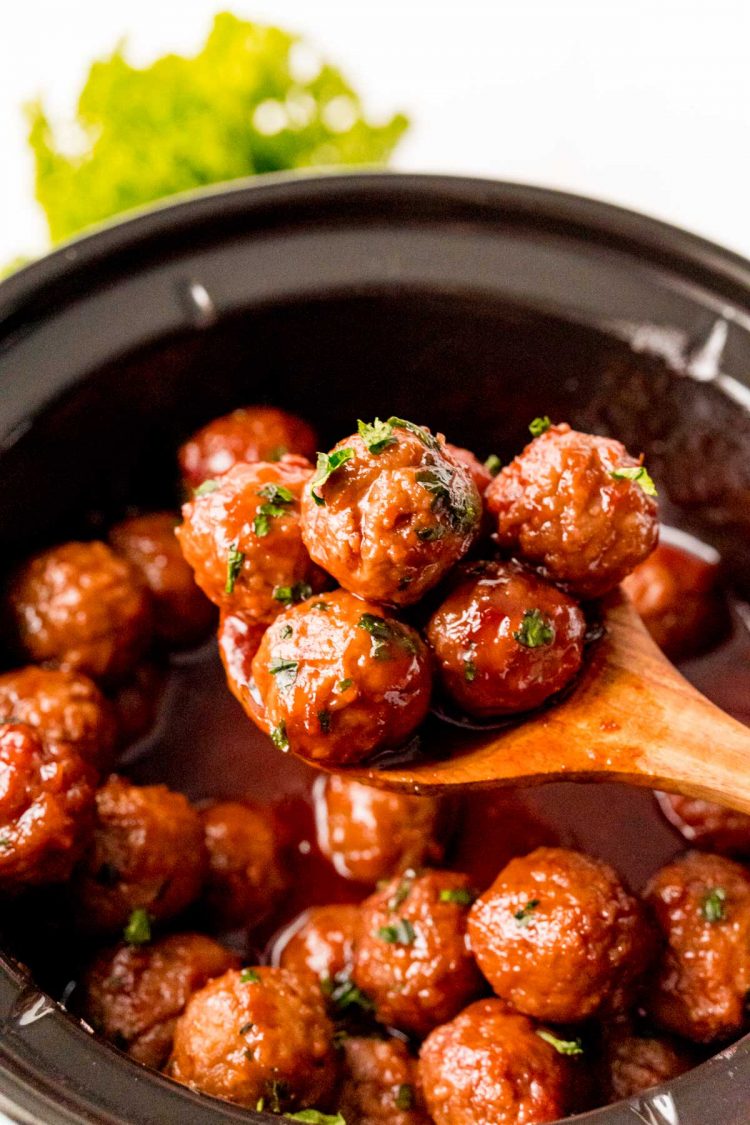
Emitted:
pixel 631 717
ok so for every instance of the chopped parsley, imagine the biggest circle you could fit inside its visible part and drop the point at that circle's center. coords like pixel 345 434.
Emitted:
pixel 285 633
pixel 279 737
pixel 138 929
pixel 315 1117
pixel 535 630
pixel 234 566
pixel 344 685
pixel 493 464
pixel 205 489
pixel 276 494
pixel 400 894
pixel 377 436
pixel 401 933
pixel 461 896
pixel 249 976
pixel 285 673
pixel 431 533
pixel 327 464
pixel 4 843
pixel 639 474
pixel 524 915
pixel 562 1046
pixel 405 1096
pixel 343 994
pixel 540 425
pixel 277 1092
pixel 712 907
pixel 419 431
pixel 246 1028
pixel 277 500
pixel 384 634
pixel 470 671
pixel 291 595
pixel 324 718
pixel 438 480
pixel 277 453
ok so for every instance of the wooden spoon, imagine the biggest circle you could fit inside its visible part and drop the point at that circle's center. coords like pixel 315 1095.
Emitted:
pixel 632 717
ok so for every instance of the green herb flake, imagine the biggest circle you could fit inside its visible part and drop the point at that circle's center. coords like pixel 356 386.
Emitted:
pixel 493 464
pixel 138 929
pixel 637 473
pixel 439 481
pixel 291 595
pixel 461 896
pixel 378 436
pixel 246 1028
pixel 343 994
pixel 344 685
pixel 249 976
pixel 384 634
pixel 277 453
pixel 324 718
pixel 401 933
pixel 276 494
pixel 279 737
pixel 205 489
pixel 713 906
pixel 540 425
pixel 234 566
pixel 524 915
pixel 327 464
pixel 405 1096
pixel 535 630
pixel 4 843
pixel 470 671
pixel 263 517
pixel 284 672
pixel 419 431
pixel 277 1093
pixel 562 1046
pixel 322 606
pixel 315 1117
pixel 286 633
pixel 430 534
pixel 401 893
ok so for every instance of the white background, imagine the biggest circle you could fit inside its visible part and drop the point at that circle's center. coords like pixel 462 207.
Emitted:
pixel 645 102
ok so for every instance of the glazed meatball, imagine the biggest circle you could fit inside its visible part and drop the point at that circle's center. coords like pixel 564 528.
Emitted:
pixel 490 1066
pixel 558 937
pixel 393 517
pixel 258 1037
pixel 322 942
pixel 46 807
pixel 338 680
pixel 371 834
pixel 133 994
pixel 702 905
pixel 634 1063
pixel 63 707
pixel 505 640
pixel 676 593
pixel 183 616
pixel 246 876
pixel 380 1084
pixel 147 853
pixel 713 827
pixel 136 702
pixel 243 539
pixel 413 957
pixel 83 608
pixel 257 433
pixel 559 506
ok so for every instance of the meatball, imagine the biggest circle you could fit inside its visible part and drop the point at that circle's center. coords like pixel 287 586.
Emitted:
pixel 634 1063
pixel 562 505
pixel 380 1084
pixel 183 616
pixel 558 937
pixel 147 853
pixel 133 994
pixel 239 640
pixel 258 1037
pixel 81 607
pixel 63 707
pixel 491 1066
pixel 371 834
pixel 257 433
pixel 413 957
pixel 136 702
pixel 677 595
pixel 702 905
pixel 243 539
pixel 389 517
pixel 505 640
pixel 246 877
pixel 322 942
pixel 46 807
pixel 337 680
pixel 713 827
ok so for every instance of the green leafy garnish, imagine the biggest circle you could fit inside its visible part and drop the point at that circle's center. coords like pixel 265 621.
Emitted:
pixel 523 916
pixel 439 480
pixel 430 534
pixel 540 425
pixel 384 634
pixel 253 99
pixel 405 1096
pixel 322 606
pixel 535 630
pixel 462 896
pixel 286 633
pixel 276 494
pixel 713 906
pixel 344 685
pixel 315 1117
pixel 4 843
pixel 246 1028
pixel 279 737
pixel 249 976
pixel 377 436
pixel 277 500
pixel 138 929
pixel 328 463
pixel 562 1046
pixel 401 933
pixel 424 435
pixel 234 566
pixel 277 453
pixel 291 595
pixel 343 994
pixel 206 488
pixel 470 671
pixel 284 672
pixel 637 473
pixel 493 464
pixel 400 894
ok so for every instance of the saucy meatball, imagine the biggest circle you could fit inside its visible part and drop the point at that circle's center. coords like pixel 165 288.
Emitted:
pixel 63 707
pixel 46 807
pixel 182 614
pixel 83 608
pixel 565 505
pixel 702 905
pixel 380 1084
pixel 257 1037
pixel 505 640
pixel 558 937
pixel 707 825
pixel 133 994
pixel 371 834
pixel 491 1066
pixel 323 944
pixel 635 1063
pixel 246 877
pixel 389 517
pixel 256 433
pixel 147 854
pixel 337 680
pixel 676 594
pixel 413 957
pixel 243 539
